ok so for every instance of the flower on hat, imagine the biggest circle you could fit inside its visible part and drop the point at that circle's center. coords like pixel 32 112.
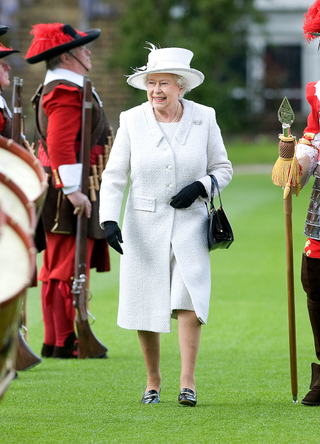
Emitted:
pixel 311 23
pixel 48 36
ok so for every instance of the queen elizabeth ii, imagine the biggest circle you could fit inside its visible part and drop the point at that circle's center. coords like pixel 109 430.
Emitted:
pixel 168 147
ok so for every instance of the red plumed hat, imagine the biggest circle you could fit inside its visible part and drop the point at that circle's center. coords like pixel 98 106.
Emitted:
pixel 53 39
pixel 6 51
pixel 311 23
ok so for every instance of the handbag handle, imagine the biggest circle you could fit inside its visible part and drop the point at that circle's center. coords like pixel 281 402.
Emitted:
pixel 214 183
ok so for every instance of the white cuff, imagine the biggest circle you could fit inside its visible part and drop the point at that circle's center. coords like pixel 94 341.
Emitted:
pixel 69 190
pixel 71 177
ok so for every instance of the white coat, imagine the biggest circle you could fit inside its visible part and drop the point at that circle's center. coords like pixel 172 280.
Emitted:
pixel 159 170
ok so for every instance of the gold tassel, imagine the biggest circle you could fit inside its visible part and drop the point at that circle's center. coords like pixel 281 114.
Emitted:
pixel 281 171
pixel 293 179
pixel 286 172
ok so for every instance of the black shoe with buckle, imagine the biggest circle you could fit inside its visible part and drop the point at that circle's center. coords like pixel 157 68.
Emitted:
pixel 70 349
pixel 151 397
pixel 187 397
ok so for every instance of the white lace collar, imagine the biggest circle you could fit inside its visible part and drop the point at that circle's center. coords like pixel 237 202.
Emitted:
pixel 65 74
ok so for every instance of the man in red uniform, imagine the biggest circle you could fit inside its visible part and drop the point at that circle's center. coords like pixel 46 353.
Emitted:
pixel 58 107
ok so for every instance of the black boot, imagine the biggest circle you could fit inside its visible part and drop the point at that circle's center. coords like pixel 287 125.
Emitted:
pixel 47 350
pixel 69 350
pixel 313 397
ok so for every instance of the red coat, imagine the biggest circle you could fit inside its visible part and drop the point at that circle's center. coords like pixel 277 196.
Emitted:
pixel 63 106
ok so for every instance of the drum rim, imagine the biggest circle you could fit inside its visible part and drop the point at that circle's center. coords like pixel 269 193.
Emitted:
pixel 31 249
pixel 30 207
pixel 17 149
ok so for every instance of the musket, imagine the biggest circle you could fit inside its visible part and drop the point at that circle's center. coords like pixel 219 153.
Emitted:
pixel 88 344
pixel 25 358
pixel 286 174
pixel 18 130
pixel 16 109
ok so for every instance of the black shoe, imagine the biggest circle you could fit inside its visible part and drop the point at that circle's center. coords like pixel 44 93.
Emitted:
pixel 151 397
pixel 187 397
pixel 47 350
pixel 70 349
pixel 313 397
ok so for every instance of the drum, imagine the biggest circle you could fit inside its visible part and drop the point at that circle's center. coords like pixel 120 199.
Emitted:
pixel 19 165
pixel 17 267
pixel 15 204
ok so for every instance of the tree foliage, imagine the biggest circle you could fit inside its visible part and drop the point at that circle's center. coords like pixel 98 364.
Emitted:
pixel 215 30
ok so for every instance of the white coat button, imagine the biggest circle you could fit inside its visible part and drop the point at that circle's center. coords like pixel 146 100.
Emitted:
pixel 171 187
pixel 170 167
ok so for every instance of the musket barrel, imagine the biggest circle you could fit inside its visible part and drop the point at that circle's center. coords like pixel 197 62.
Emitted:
pixel 17 109
pixel 88 345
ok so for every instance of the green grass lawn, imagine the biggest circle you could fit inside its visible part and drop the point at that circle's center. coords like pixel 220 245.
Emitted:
pixel 243 373
pixel 254 150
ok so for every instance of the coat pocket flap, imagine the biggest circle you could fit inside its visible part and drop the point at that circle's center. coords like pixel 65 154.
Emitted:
pixel 144 203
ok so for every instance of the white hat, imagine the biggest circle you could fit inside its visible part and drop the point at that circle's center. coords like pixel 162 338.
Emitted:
pixel 170 60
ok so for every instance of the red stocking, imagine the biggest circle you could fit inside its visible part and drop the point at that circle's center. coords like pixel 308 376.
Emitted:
pixel 58 325
pixel 49 333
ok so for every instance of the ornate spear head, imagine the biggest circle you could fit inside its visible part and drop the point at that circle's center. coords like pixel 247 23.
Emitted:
pixel 286 171
pixel 286 116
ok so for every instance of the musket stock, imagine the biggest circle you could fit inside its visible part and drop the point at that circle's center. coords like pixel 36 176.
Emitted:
pixel 25 357
pixel 88 344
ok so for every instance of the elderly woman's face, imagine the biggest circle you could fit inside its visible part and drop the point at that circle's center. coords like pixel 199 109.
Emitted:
pixel 4 74
pixel 162 91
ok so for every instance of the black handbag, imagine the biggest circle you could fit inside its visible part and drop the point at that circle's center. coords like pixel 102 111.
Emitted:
pixel 220 234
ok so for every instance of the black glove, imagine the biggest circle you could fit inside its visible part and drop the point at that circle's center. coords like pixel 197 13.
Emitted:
pixel 188 195
pixel 113 235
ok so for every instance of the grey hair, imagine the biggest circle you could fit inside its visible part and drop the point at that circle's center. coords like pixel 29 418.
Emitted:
pixel 53 63
pixel 181 81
